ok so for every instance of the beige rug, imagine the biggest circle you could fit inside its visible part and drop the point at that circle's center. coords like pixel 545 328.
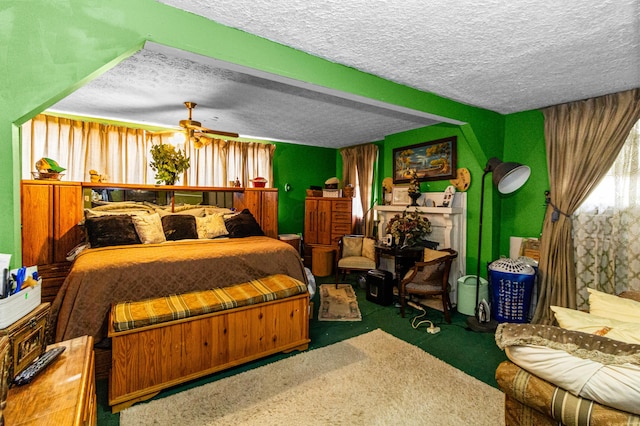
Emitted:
pixel 338 304
pixel 371 379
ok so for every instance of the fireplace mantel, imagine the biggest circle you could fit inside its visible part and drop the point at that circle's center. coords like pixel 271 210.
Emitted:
pixel 448 224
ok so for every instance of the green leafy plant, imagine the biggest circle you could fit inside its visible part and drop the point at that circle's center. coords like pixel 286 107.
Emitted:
pixel 168 162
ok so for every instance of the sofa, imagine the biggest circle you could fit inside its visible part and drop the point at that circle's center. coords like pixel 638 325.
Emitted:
pixel 583 371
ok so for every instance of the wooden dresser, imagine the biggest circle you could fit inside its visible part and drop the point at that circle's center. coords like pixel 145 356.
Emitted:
pixel 326 220
pixel 63 394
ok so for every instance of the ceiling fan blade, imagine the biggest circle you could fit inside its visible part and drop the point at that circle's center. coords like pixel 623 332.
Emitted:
pixel 217 133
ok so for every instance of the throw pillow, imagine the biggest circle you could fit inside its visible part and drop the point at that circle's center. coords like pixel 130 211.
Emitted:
pixel 149 228
pixel 242 225
pixel 211 226
pixel 571 319
pixel 430 254
pixel 179 227
pixel 369 248
pixel 351 246
pixel 112 230
pixel 614 307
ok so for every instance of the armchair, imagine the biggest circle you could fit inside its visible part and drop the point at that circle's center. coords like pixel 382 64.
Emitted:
pixel 355 253
pixel 430 277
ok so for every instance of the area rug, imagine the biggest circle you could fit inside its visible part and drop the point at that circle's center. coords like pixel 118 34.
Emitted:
pixel 338 304
pixel 371 379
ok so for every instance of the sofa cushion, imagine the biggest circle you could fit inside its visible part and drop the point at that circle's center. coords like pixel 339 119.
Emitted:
pixel 614 307
pixel 351 246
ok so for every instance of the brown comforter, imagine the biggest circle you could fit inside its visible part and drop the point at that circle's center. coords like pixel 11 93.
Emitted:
pixel 102 276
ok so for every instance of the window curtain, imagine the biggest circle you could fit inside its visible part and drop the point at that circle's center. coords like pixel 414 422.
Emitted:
pixel 582 139
pixel 358 166
pixel 606 228
pixel 122 154
pixel 118 153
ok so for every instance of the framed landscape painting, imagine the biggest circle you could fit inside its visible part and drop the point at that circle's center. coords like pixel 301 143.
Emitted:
pixel 434 160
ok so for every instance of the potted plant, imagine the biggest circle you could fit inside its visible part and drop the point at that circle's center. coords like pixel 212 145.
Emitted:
pixel 168 162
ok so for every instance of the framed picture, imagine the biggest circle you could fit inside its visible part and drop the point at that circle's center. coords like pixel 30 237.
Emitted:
pixel 400 196
pixel 434 160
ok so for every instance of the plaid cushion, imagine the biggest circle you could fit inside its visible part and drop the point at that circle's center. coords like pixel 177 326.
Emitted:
pixel 130 315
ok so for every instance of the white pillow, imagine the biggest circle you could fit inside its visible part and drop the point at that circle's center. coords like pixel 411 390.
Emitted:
pixel 571 319
pixel 149 228
pixel 614 307
pixel 211 226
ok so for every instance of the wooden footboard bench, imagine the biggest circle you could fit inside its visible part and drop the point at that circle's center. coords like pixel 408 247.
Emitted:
pixel 158 343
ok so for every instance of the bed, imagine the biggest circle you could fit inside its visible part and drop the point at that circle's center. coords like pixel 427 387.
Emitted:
pixel 103 276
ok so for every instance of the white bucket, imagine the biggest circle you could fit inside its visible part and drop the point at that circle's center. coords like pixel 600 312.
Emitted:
pixel 467 294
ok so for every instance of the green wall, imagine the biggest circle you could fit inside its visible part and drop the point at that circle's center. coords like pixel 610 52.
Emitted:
pixel 51 48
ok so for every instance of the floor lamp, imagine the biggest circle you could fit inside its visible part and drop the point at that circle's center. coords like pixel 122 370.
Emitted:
pixel 507 177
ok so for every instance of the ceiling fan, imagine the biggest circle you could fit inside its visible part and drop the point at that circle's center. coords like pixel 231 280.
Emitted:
pixel 198 135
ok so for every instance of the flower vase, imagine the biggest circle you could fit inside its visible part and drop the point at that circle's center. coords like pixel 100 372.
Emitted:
pixel 414 198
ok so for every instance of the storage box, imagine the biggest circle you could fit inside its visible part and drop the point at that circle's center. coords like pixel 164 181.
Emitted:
pixel 14 307
pixel 332 193
pixel 27 338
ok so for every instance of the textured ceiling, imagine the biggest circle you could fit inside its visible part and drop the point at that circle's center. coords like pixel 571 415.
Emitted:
pixel 505 56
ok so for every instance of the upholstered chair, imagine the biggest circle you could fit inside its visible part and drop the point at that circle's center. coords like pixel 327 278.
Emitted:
pixel 429 278
pixel 355 253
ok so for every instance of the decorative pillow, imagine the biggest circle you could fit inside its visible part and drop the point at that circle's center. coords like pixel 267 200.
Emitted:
pixel 181 210
pixel 571 319
pixel 369 248
pixel 243 224
pixel 211 226
pixel 112 230
pixel 179 227
pixel 430 254
pixel 614 307
pixel 352 246
pixel 149 228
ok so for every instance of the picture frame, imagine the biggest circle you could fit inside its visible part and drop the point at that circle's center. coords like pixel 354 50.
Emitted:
pixel 433 160
pixel 400 196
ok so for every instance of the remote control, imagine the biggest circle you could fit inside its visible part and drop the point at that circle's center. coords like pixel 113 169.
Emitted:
pixel 27 375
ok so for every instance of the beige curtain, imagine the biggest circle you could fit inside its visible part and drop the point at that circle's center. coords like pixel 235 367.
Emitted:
pixel 583 139
pixel 122 153
pixel 358 166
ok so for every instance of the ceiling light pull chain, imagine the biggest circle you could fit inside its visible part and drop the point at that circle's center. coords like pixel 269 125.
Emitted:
pixel 556 211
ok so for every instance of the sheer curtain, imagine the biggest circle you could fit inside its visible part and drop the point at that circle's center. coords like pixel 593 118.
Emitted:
pixel 606 228
pixel 358 166
pixel 122 154
pixel 583 140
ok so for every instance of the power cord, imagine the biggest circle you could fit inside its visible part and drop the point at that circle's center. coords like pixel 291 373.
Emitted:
pixel 432 328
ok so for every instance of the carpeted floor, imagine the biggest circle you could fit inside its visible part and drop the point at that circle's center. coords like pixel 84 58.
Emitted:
pixel 373 378
pixel 473 353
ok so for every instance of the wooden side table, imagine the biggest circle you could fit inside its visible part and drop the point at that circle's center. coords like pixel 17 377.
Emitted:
pixel 404 258
pixel 63 394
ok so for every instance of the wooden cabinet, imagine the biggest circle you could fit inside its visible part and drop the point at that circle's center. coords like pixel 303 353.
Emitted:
pixel 50 215
pixel 63 394
pixel 327 219
pixel 263 204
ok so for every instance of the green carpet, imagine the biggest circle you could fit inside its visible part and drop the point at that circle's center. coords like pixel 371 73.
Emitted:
pixel 474 353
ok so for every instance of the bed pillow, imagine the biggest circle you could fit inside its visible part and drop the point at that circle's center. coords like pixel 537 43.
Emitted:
pixel 149 228
pixel 614 307
pixel 243 224
pixel 572 319
pixel 211 226
pixel 181 210
pixel 179 227
pixel 112 230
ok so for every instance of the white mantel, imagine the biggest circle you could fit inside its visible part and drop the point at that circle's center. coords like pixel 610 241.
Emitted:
pixel 448 225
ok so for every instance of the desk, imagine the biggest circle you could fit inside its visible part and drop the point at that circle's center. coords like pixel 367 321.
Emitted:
pixel 403 258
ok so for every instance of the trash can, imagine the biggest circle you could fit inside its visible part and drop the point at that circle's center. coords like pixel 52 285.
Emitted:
pixel 292 239
pixel 467 294
pixel 322 259
pixel 511 282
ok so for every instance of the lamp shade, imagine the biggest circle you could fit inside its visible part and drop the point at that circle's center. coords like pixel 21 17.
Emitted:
pixel 508 177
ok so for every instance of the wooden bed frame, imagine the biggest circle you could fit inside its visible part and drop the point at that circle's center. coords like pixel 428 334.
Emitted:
pixel 149 359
